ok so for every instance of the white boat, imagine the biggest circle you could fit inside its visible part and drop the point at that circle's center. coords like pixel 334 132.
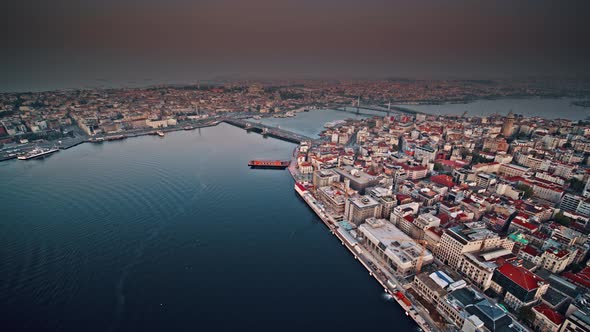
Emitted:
pixel 160 133
pixel 37 153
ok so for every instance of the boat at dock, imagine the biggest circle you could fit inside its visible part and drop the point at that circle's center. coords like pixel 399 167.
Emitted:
pixel 275 164
pixel 37 153
pixel 160 133
pixel 115 137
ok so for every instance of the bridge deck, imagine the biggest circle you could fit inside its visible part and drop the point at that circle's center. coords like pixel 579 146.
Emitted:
pixel 269 130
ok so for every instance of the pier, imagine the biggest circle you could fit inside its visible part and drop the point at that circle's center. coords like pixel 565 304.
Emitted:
pixel 269 131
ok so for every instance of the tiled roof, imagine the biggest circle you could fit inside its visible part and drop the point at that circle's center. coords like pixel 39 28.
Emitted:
pixel 520 276
pixel 551 314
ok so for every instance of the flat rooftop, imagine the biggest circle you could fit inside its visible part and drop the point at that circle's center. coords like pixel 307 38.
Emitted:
pixel 353 173
pixel 364 201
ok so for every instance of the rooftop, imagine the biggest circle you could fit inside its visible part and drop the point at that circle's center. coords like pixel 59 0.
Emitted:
pixel 551 314
pixel 521 276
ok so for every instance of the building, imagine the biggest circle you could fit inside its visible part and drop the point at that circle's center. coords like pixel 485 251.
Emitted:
pixel 385 197
pixel 575 204
pixel 401 253
pixel 519 286
pixel 479 267
pixel 333 199
pixel 546 319
pixel 324 178
pixel 471 311
pixel 556 260
pixel 511 170
pixel 508 125
pixel 578 321
pixel 359 180
pixel 468 237
pixel 358 209
pixel 484 180
pixel 424 153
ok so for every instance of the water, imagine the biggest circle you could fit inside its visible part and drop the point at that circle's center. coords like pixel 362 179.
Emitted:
pixel 174 234
pixel 310 123
pixel 544 107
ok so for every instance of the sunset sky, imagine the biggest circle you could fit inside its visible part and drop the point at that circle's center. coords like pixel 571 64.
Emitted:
pixel 67 42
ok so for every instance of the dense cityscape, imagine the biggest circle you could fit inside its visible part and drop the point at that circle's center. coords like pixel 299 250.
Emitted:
pixel 66 118
pixel 471 223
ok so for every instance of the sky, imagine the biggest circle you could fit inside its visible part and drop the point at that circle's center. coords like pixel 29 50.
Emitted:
pixel 81 43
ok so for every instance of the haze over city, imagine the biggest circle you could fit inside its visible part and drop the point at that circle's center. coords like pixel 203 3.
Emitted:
pixel 68 43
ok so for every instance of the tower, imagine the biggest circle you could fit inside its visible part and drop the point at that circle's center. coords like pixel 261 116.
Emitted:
pixel 508 125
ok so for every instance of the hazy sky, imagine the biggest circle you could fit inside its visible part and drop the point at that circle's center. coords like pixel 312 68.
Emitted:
pixel 70 43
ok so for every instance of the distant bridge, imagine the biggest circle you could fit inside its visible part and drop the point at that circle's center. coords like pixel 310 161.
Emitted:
pixel 388 110
pixel 270 131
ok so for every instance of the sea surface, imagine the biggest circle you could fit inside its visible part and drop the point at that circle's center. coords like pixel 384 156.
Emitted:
pixel 312 123
pixel 175 234
pixel 549 108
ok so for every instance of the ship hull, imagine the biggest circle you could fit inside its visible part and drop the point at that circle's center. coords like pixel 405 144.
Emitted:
pixel 37 156
pixel 268 167
pixel 268 164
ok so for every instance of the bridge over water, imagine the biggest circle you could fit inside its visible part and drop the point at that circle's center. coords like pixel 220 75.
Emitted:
pixel 270 131
pixel 375 108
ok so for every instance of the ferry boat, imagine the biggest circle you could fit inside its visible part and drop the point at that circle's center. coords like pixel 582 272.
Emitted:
pixel 37 153
pixel 160 133
pixel 277 164
pixel 115 138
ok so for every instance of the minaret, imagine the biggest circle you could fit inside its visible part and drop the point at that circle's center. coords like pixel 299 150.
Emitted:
pixel 508 125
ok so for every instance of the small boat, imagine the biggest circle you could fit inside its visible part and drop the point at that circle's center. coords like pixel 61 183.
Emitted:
pixel 160 133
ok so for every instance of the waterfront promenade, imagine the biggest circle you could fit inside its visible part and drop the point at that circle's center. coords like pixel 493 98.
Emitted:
pixel 375 266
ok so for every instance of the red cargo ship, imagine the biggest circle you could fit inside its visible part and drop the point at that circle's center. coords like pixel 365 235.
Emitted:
pixel 278 164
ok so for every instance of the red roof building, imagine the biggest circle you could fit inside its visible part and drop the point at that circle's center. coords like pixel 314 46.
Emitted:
pixel 547 319
pixel 581 278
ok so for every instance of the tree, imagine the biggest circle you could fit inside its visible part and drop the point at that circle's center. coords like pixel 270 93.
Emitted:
pixel 526 314
pixel 561 219
pixel 438 167
pixel 576 185
pixel 528 191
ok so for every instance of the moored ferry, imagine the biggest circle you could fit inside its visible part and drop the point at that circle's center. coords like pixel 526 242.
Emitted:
pixel 37 153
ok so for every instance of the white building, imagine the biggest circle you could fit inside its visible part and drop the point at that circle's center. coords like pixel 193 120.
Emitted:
pixel 401 252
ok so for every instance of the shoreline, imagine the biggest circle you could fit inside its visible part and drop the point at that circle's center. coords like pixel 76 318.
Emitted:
pixel 122 136
pixel 391 287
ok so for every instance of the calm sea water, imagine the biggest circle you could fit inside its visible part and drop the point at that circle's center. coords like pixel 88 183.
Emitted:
pixel 312 123
pixel 174 234
pixel 549 108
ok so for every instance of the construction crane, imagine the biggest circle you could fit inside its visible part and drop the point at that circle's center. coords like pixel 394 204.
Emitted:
pixel 422 252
